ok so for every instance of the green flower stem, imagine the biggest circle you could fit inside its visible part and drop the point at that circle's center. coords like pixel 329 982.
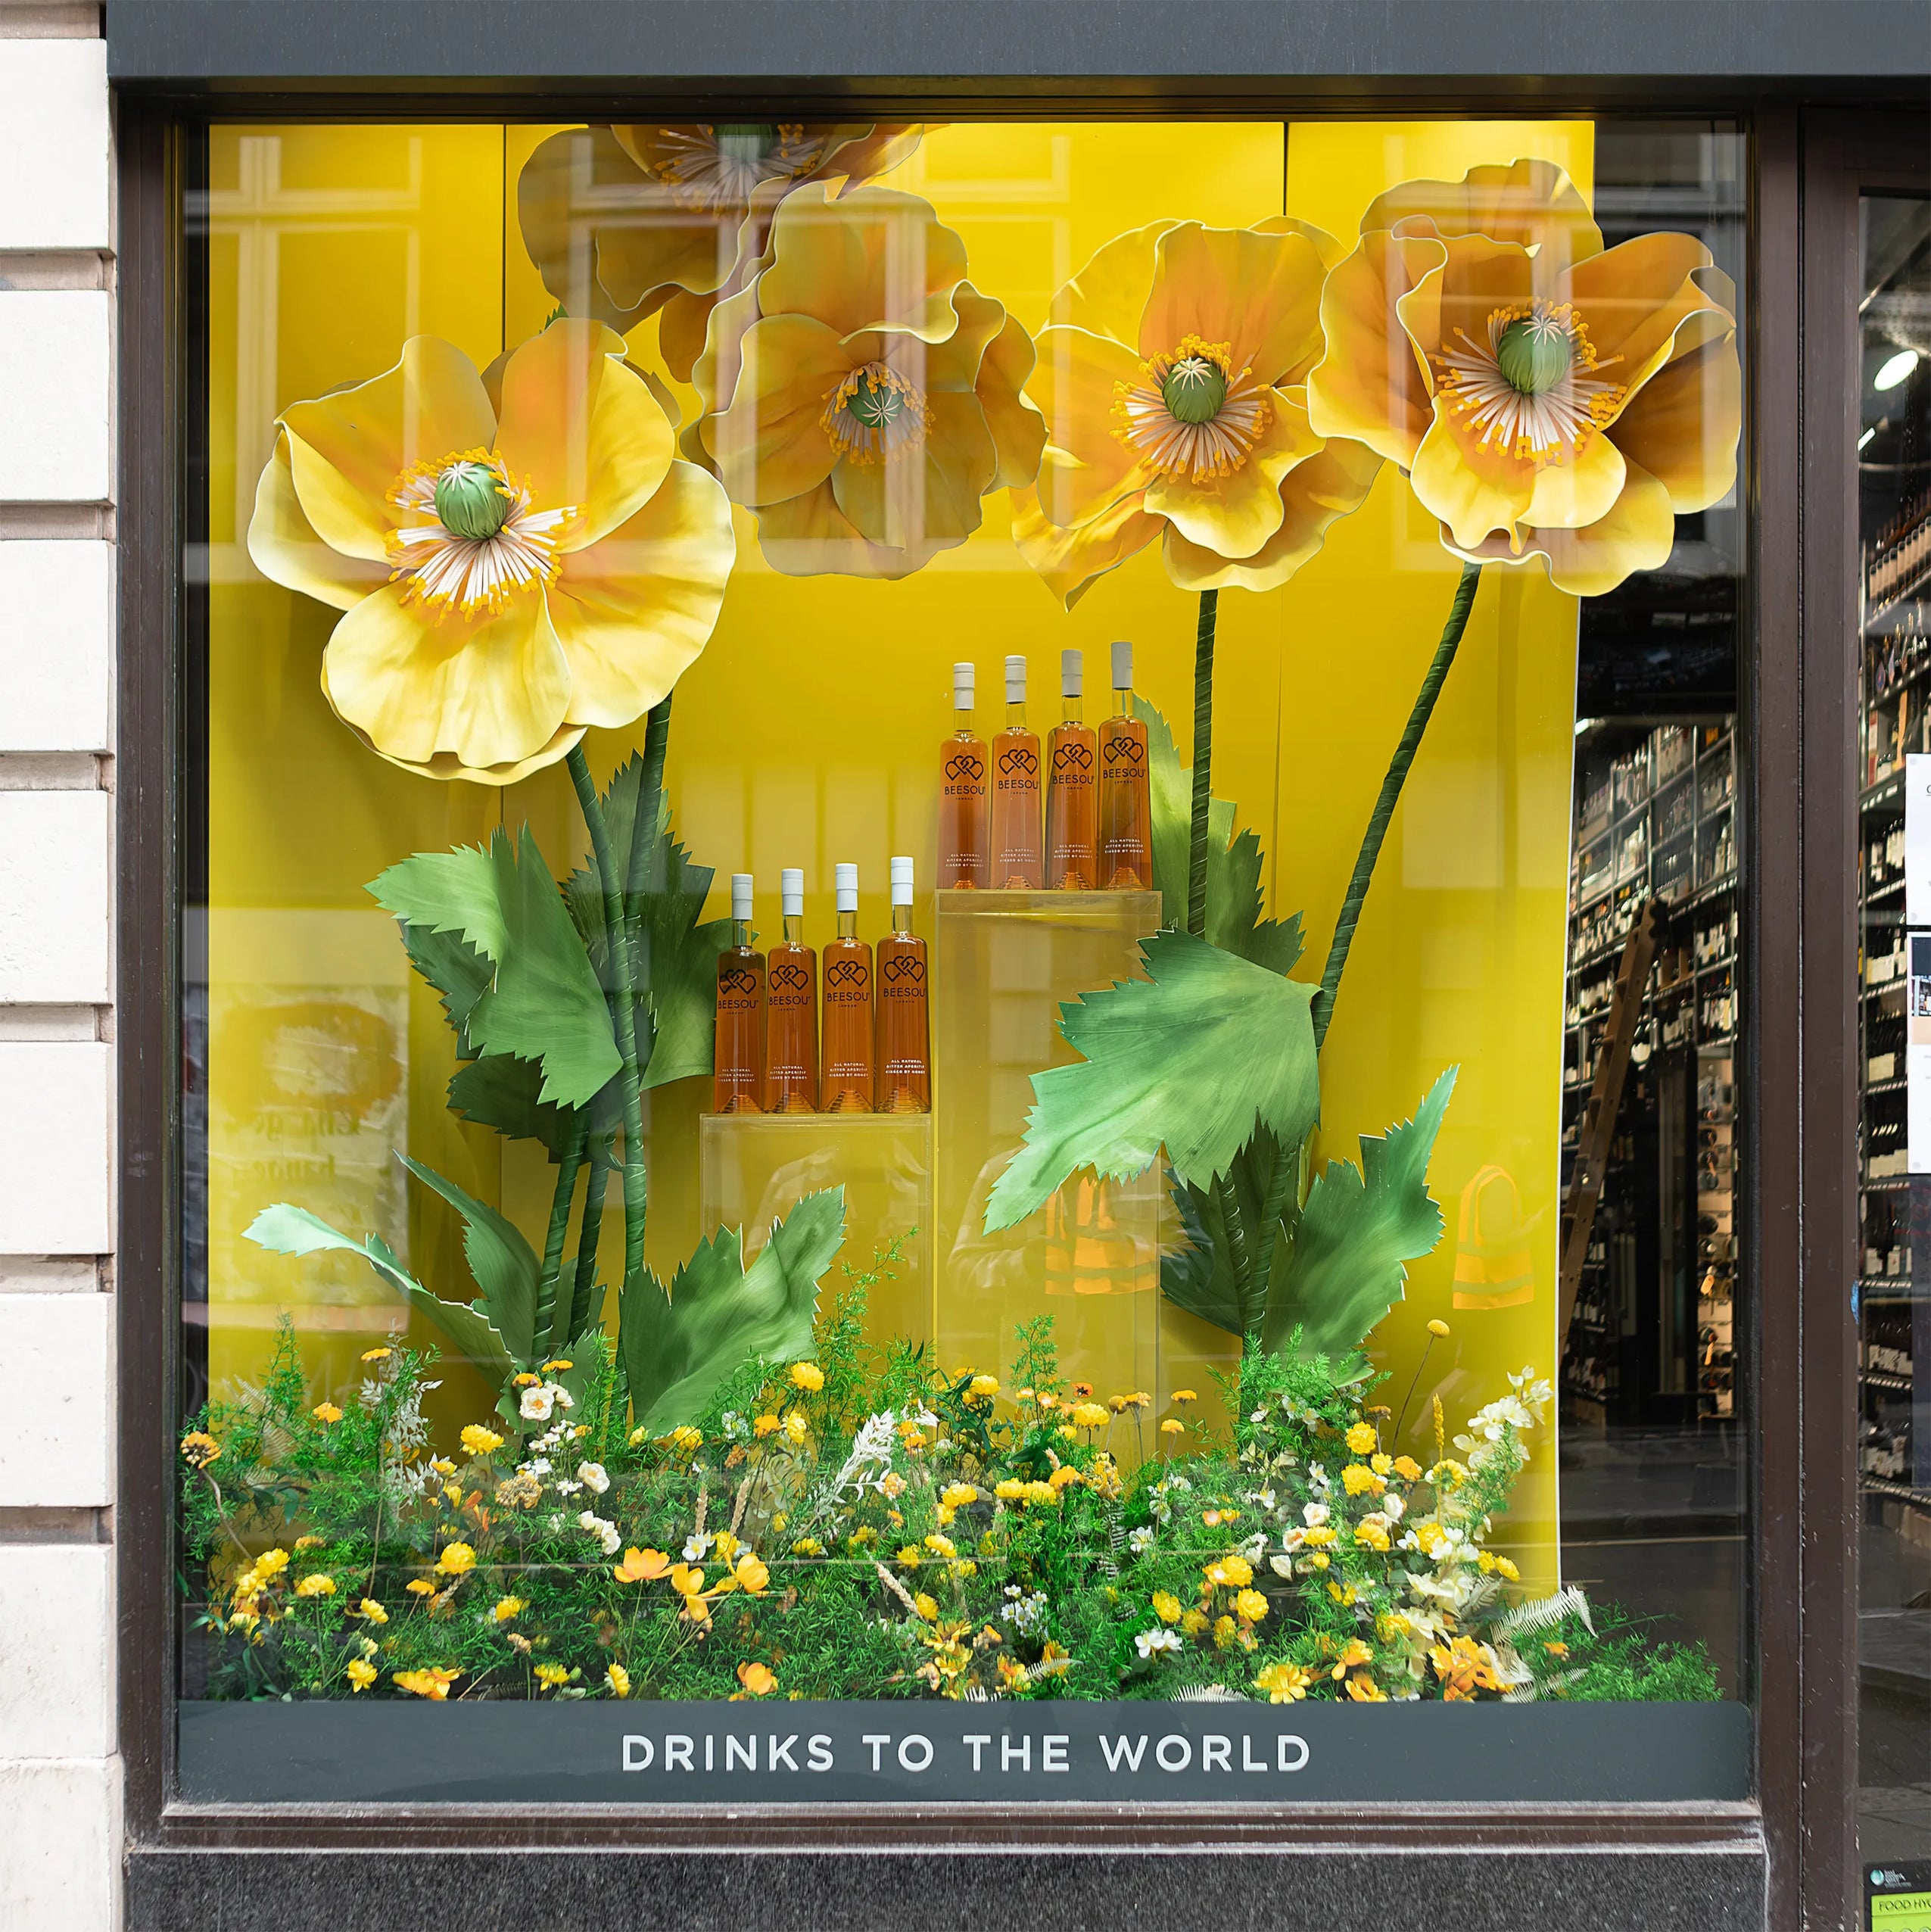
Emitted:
pixel 1203 762
pixel 1390 793
pixel 583 1284
pixel 562 1198
pixel 624 1002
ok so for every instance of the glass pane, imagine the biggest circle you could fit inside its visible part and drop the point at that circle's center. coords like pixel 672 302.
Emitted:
pixel 1894 1441
pixel 762 1161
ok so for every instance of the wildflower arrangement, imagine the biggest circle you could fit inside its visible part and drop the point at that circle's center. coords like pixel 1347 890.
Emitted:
pixel 864 1524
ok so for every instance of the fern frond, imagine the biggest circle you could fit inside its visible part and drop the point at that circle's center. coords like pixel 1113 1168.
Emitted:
pixel 1542 1613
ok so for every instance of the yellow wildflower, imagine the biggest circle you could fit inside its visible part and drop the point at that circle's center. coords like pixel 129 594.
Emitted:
pixel 757 1679
pixel 1173 1425
pixel 552 1675
pixel 479 1441
pixel 526 1380
pixel 1167 1606
pixel 984 1387
pixel 926 1606
pixel 957 1495
pixel 1438 1328
pixel 1182 1396
pixel 796 1429
pixel 1364 1690
pixel 808 1546
pixel 272 1562
pixel 726 1545
pixel 753 1577
pixel 1407 1468
pixel 766 1425
pixel 1042 1492
pixel 1283 1683
pixel 326 1412
pixel 1194 1621
pixel 1231 1572
pixel 433 1683
pixel 687 1439
pixel 361 1675
pixel 508 1608
pixel 456 1559
pixel 807 1375
pixel 911 1556
pixel 1504 1567
pixel 942 1546
pixel 618 1679
pixel 310 1542
pixel 201 1448
pixel 1090 1415
pixel 1224 1630
pixel 1064 1477
pixel 1250 1606
pixel 1557 1650
pixel 375 1355
pixel 1009 1491
pixel 1351 1655
pixel 421 1586
pixel 317 1585
pixel 1381 1463
pixel 1362 1441
pixel 1358 1479
pixel 372 1610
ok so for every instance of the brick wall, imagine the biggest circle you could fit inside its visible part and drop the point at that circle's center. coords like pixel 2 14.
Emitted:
pixel 60 1817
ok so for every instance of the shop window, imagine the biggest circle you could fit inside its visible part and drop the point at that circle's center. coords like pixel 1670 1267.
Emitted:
pixel 931 1054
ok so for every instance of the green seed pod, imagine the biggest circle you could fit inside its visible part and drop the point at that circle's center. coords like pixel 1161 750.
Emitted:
pixel 1193 390
pixel 470 501
pixel 877 405
pixel 1534 356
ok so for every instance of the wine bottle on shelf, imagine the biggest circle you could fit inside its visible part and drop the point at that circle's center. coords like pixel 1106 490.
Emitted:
pixel 847 1085
pixel 962 804
pixel 791 975
pixel 904 1035
pixel 1072 786
pixel 1016 865
pixel 738 1060
pixel 1126 808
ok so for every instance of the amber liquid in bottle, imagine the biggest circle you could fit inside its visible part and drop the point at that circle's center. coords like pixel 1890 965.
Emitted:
pixel 904 1035
pixel 738 1060
pixel 1073 803
pixel 1125 814
pixel 1016 862
pixel 964 803
pixel 791 974
pixel 847 1085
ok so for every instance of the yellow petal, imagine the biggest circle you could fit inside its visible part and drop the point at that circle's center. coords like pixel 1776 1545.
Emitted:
pixel 874 259
pixel 1568 495
pixel 1259 294
pixel 1234 515
pixel 632 612
pixel 1682 425
pixel 1315 494
pixel 486 691
pixel 1087 467
pixel 681 323
pixel 714 374
pixel 1473 490
pixel 581 429
pixel 1371 384
pixel 347 450
pixel 1635 299
pixel 1019 431
pixel 810 536
pixel 771 444
pixel 931 501
pixel 1110 294
pixel 953 363
pixel 445 767
pixel 1531 203
pixel 284 547
pixel 1638 534
pixel 564 197
pixel 1071 562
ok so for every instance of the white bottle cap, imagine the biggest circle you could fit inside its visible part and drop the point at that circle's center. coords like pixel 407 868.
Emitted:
pixel 1015 681
pixel 1122 665
pixel 1072 673
pixel 901 882
pixel 964 677
pixel 846 878
pixel 791 892
pixel 740 896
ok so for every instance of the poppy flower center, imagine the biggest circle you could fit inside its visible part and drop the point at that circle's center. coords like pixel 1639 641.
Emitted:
pixel 1534 352
pixel 875 413
pixel 717 168
pixel 1190 412
pixel 471 500
pixel 1531 384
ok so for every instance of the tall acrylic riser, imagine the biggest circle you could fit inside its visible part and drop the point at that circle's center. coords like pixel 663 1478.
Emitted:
pixel 753 1169
pixel 1003 963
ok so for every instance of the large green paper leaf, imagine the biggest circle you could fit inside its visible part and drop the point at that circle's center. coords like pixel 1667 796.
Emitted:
pixel 676 952
pixel 543 1002
pixel 1233 862
pixel 501 1092
pixel 1198 1272
pixel 285 1229
pixel 678 1348
pixel 505 1267
pixel 1343 1270
pixel 456 970
pixel 1191 1058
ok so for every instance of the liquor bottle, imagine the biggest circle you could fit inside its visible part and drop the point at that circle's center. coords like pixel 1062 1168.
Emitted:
pixel 1072 786
pixel 791 1061
pixel 1016 860
pixel 847 1085
pixel 738 1060
pixel 904 1038
pixel 1126 812
pixel 962 796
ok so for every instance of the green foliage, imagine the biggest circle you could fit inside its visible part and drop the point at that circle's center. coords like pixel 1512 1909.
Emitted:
pixel 680 1346
pixel 285 1229
pixel 1339 1269
pixel 1192 1059
pixel 502 1261
pixel 1233 862
pixel 676 956
pixel 543 1002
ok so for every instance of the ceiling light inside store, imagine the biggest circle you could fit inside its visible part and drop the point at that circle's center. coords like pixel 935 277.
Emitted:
pixel 1895 370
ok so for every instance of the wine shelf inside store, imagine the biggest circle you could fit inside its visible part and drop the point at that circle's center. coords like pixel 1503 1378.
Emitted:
pixel 1894 1208
pixel 1654 1336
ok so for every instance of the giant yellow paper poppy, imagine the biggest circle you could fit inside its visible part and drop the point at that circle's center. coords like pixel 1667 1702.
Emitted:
pixel 666 218
pixel 517 555
pixel 1546 396
pixel 860 394
pixel 1171 377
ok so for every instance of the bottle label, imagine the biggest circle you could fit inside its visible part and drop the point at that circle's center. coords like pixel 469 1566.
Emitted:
pixel 1018 769
pixel 847 982
pixel 791 986
pixel 965 775
pixel 1122 755
pixel 1073 766
pixel 903 976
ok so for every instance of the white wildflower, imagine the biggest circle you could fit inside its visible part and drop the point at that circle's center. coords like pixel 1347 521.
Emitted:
pixel 594 1476
pixel 1153 1643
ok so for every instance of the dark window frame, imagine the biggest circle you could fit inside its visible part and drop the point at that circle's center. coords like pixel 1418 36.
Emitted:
pixel 1700 1866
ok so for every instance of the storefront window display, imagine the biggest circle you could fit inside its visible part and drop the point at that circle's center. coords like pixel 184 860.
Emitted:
pixel 890 812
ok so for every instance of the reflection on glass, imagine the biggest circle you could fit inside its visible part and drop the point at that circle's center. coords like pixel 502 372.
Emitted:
pixel 1195 1350
pixel 1894 1034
